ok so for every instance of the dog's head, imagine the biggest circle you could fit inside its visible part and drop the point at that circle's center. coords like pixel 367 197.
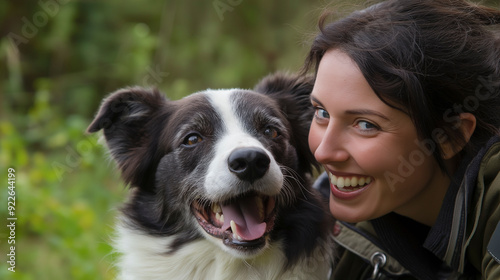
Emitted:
pixel 220 164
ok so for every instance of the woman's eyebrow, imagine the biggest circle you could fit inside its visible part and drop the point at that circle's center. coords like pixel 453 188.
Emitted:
pixel 366 112
pixel 315 100
pixel 356 111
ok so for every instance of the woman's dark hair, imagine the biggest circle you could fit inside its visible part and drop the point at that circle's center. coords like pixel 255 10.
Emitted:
pixel 432 59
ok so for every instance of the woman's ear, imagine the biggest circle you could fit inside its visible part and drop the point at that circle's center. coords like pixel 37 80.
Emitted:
pixel 467 127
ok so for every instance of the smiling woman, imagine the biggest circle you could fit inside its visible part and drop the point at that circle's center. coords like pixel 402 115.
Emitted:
pixel 406 126
pixel 356 135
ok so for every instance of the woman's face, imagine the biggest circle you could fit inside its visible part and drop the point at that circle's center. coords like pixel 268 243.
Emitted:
pixel 371 151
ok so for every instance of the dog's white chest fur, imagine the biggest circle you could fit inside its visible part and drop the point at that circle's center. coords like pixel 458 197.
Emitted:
pixel 145 257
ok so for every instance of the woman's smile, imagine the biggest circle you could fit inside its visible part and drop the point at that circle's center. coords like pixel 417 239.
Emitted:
pixel 347 186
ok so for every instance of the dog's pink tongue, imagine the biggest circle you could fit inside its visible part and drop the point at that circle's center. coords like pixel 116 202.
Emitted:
pixel 245 214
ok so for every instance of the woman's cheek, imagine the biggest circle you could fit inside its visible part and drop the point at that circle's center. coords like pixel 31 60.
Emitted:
pixel 314 138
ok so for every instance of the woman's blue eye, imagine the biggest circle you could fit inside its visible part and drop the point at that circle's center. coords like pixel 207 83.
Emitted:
pixel 364 125
pixel 322 114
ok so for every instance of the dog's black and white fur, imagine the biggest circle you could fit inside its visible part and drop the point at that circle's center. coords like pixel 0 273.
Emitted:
pixel 218 155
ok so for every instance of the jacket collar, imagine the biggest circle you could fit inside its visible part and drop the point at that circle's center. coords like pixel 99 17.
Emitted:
pixel 447 237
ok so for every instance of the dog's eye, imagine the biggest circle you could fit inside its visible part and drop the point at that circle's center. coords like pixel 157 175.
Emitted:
pixel 192 139
pixel 271 132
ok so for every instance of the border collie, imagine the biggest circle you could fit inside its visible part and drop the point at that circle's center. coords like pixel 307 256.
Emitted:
pixel 220 183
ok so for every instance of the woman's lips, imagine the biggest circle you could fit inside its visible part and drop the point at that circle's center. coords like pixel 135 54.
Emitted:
pixel 348 186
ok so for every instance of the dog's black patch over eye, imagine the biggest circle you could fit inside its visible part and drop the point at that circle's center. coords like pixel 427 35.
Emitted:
pixel 271 132
pixel 192 139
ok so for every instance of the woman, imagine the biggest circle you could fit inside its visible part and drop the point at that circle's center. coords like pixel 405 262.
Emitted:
pixel 407 99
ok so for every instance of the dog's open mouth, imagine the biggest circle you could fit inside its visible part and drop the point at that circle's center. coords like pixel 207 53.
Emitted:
pixel 242 222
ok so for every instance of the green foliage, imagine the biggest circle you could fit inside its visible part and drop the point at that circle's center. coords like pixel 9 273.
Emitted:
pixel 59 58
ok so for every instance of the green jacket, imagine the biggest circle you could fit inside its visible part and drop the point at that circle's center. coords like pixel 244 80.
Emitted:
pixel 464 243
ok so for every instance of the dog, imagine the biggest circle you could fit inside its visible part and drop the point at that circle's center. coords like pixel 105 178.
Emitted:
pixel 220 183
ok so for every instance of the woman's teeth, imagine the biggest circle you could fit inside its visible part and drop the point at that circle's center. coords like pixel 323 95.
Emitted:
pixel 354 182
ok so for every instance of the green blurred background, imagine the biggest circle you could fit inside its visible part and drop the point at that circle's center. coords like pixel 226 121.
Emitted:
pixel 59 58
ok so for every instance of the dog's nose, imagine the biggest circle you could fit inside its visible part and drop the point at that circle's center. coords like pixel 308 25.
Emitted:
pixel 249 164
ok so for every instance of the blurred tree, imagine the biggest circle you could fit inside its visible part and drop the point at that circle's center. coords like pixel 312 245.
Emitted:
pixel 85 49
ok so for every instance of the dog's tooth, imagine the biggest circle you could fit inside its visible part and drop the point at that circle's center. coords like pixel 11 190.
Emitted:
pixel 219 217
pixel 233 226
pixel 260 207
pixel 216 208
pixel 235 236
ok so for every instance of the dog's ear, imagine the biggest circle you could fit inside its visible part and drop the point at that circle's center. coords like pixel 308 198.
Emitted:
pixel 293 91
pixel 128 118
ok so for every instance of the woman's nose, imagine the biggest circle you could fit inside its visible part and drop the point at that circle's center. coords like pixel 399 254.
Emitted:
pixel 327 146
